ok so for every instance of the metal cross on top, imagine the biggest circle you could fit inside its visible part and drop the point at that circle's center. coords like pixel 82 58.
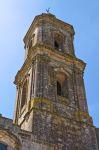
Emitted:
pixel 48 10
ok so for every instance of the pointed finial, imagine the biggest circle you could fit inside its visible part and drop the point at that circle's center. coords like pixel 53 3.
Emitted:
pixel 48 10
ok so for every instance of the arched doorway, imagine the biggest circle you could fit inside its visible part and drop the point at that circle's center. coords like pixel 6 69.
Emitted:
pixel 3 146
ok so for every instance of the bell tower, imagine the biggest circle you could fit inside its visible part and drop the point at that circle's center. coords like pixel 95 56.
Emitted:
pixel 51 100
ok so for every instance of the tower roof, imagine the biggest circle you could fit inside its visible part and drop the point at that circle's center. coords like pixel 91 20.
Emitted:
pixel 50 18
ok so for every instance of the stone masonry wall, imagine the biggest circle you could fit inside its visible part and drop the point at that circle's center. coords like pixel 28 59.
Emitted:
pixel 55 115
pixel 97 134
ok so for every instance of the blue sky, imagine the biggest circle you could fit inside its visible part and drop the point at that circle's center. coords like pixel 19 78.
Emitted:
pixel 15 19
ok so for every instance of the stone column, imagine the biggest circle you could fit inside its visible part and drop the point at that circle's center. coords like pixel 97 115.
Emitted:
pixel 80 89
pixel 71 91
pixel 32 81
pixel 41 78
pixel 36 78
pixel 17 105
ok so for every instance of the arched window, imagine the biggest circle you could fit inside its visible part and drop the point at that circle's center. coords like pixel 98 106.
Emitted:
pixel 59 90
pixel 3 146
pixel 58 41
pixel 56 45
pixel 24 93
pixel 62 85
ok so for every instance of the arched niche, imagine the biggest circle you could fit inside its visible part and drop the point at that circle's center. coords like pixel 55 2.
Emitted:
pixel 58 41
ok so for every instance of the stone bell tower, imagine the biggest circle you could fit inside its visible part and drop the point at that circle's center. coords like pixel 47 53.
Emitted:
pixel 51 100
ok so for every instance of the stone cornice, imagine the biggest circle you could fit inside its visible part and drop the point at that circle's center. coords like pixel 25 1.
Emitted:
pixel 50 53
pixel 48 107
pixel 50 19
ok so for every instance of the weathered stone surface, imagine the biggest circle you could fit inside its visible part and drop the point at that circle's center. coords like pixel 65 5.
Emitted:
pixel 97 134
pixel 52 113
